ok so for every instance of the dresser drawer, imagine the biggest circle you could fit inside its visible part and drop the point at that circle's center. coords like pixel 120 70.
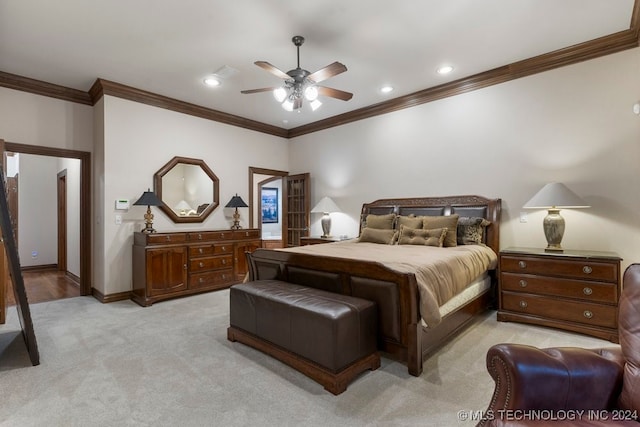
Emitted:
pixel 210 235
pixel 580 289
pixel 561 309
pixel 573 268
pixel 246 234
pixel 211 278
pixel 211 263
pixel 168 238
pixel 208 250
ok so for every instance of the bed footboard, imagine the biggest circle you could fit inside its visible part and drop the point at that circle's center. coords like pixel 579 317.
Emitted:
pixel 396 294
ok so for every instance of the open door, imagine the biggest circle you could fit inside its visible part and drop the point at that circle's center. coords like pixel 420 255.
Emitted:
pixel 297 200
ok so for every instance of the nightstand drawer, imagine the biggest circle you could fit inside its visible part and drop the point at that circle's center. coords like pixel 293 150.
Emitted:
pixel 573 268
pixel 580 289
pixel 203 264
pixel 561 309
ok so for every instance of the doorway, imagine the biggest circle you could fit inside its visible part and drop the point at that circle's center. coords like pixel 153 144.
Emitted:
pixel 81 219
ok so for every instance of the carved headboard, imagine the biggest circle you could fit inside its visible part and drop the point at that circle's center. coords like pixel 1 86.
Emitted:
pixel 471 206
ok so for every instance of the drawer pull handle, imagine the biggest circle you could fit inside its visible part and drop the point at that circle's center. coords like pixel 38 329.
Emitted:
pixel 201 251
pixel 588 314
pixel 224 249
pixel 587 270
pixel 224 277
pixel 224 261
pixel 587 291
pixel 201 280
pixel 168 238
pixel 222 235
pixel 184 266
pixel 523 304
pixel 199 236
pixel 522 264
pixel 201 264
pixel 523 283
pixel 246 233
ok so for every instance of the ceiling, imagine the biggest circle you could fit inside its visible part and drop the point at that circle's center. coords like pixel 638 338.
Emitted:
pixel 168 47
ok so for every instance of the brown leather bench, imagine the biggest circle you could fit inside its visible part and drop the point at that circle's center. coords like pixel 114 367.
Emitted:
pixel 329 337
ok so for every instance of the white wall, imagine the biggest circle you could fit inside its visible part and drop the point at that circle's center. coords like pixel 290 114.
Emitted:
pixel 37 211
pixel 31 119
pixel 574 125
pixel 138 141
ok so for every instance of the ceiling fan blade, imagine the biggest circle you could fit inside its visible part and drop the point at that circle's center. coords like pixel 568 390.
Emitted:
pixel 264 89
pixel 334 93
pixel 273 70
pixel 326 72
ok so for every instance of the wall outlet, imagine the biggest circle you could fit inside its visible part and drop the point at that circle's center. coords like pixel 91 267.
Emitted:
pixel 524 217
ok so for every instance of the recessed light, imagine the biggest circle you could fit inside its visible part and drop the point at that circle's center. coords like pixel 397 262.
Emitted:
pixel 211 82
pixel 386 89
pixel 445 69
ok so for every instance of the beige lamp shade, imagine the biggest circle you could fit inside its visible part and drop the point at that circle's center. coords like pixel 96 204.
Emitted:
pixel 325 206
pixel 553 197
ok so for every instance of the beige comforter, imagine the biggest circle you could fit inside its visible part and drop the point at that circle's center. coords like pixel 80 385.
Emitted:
pixel 441 273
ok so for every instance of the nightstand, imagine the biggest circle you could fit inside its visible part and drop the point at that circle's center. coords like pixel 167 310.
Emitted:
pixel 573 290
pixel 316 240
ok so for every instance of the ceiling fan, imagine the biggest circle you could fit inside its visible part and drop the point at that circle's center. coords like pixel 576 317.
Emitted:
pixel 300 84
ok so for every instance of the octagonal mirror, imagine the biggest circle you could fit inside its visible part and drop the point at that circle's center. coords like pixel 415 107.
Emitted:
pixel 188 189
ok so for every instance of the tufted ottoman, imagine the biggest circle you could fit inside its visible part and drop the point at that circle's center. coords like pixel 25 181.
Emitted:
pixel 329 337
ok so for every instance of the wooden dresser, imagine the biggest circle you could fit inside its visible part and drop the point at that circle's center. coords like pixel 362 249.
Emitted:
pixel 169 265
pixel 572 290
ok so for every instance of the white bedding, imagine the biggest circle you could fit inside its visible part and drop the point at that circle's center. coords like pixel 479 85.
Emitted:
pixel 441 273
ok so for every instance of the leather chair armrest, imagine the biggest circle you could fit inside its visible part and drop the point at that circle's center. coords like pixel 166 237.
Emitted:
pixel 563 378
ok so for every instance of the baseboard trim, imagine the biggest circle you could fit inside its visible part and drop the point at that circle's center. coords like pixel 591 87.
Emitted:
pixel 105 299
pixel 42 267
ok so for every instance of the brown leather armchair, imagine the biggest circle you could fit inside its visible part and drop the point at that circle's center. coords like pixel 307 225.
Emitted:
pixel 571 386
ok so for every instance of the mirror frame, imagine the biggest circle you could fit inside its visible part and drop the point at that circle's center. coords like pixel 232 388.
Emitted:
pixel 157 186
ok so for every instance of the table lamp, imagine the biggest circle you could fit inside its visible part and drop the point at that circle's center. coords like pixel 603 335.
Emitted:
pixel 148 198
pixel 555 196
pixel 236 202
pixel 325 206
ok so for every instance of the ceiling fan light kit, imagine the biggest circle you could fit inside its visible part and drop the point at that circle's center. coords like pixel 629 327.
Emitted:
pixel 300 84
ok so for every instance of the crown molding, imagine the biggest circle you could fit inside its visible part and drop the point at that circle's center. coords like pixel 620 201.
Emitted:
pixel 39 87
pixel 103 87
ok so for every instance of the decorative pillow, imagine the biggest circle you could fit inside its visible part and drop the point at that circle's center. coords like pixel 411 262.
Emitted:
pixel 450 222
pixel 471 230
pixel 376 235
pixel 381 222
pixel 420 236
pixel 410 221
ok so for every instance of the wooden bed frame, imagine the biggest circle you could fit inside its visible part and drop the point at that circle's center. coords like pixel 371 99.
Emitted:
pixel 401 334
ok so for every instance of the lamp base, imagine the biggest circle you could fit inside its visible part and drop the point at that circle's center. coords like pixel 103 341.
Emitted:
pixel 236 221
pixel 326 225
pixel 148 222
pixel 553 226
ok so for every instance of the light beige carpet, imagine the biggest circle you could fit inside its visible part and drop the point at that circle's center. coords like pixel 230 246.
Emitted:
pixel 170 364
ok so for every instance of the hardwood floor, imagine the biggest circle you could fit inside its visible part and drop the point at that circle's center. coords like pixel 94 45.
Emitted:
pixel 47 285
